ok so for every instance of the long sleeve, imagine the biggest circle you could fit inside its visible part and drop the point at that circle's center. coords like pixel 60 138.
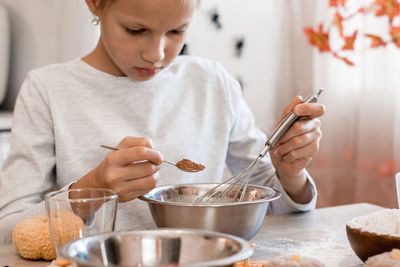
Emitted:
pixel 246 142
pixel 28 172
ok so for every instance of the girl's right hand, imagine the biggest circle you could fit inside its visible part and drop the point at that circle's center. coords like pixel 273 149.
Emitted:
pixel 131 171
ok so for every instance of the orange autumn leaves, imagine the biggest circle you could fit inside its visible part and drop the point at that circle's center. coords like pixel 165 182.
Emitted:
pixel 376 41
pixel 395 33
pixel 388 8
pixel 320 37
pixel 337 2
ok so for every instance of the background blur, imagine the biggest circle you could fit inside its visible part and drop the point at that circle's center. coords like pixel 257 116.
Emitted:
pixel 262 44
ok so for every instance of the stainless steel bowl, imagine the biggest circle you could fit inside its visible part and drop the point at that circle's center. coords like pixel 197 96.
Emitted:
pixel 161 248
pixel 237 218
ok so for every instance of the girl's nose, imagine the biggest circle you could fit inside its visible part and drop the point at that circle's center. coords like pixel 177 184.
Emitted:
pixel 154 51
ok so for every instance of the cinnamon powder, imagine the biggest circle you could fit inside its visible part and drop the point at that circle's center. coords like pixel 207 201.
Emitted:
pixel 189 166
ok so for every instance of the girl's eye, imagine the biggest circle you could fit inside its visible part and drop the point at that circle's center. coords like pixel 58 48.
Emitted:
pixel 178 32
pixel 134 32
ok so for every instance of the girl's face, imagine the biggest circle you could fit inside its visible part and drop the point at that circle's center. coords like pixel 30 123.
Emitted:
pixel 141 37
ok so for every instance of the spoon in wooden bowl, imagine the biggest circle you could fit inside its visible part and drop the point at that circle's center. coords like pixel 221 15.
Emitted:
pixel 185 165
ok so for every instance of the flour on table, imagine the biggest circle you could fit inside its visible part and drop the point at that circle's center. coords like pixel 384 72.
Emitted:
pixel 386 221
pixel 329 249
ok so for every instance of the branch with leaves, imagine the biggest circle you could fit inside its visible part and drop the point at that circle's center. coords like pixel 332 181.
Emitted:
pixel 320 38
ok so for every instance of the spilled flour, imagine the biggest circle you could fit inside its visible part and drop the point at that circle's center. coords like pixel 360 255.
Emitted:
pixel 331 248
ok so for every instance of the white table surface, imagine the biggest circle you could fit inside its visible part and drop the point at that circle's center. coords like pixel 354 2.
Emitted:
pixel 320 234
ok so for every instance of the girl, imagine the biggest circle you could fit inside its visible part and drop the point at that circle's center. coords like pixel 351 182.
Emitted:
pixel 133 91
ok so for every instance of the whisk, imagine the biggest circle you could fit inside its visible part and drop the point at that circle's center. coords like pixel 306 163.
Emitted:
pixel 220 191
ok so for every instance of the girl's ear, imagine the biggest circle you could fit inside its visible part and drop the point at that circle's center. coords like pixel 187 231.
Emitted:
pixel 93 5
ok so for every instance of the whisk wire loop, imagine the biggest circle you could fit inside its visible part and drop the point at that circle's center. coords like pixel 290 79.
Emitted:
pixel 231 183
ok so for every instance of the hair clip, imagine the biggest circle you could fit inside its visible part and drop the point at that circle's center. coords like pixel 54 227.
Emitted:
pixel 215 19
pixel 239 46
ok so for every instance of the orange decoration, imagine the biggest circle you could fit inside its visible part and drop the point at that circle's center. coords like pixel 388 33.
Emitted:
pixel 345 60
pixel 376 40
pixel 337 2
pixel 338 22
pixel 391 8
pixel 387 169
pixel 349 42
pixel 321 39
pixel 395 33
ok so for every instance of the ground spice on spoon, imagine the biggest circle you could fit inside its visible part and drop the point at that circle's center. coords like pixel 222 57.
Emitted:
pixel 189 166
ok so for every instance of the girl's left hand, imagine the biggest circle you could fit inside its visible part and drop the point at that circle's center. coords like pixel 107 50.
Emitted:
pixel 296 148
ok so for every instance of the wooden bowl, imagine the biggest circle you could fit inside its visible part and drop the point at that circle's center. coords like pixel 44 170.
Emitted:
pixel 366 244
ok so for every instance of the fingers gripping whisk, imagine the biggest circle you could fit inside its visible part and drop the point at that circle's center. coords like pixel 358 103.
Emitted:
pixel 235 188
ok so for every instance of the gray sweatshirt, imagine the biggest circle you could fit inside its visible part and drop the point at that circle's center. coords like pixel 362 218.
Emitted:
pixel 192 109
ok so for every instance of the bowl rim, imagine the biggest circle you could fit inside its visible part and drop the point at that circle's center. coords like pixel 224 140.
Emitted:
pixel 276 195
pixel 373 234
pixel 245 252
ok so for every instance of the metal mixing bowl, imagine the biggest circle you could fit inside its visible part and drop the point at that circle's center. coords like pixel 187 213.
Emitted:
pixel 161 248
pixel 237 218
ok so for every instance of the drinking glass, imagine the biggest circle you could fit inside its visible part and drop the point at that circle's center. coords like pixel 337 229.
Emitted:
pixel 76 213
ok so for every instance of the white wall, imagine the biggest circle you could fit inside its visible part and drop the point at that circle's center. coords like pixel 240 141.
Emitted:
pixel 44 32
pixel 266 66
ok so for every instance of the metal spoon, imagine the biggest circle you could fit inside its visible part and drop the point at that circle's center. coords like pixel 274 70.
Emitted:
pixel 184 164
